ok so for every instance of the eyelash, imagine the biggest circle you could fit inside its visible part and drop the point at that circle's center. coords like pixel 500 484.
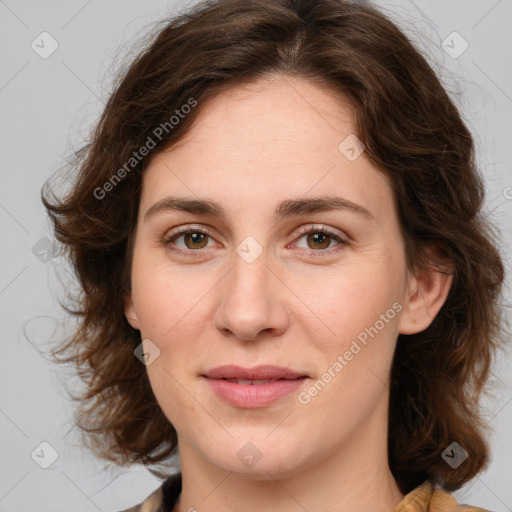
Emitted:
pixel 302 231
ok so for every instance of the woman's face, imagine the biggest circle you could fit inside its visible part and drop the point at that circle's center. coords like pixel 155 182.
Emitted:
pixel 265 286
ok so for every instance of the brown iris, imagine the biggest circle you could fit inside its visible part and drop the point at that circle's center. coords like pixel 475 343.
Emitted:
pixel 325 239
pixel 196 238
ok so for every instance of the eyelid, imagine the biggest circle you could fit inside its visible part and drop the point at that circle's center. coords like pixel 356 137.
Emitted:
pixel 183 230
pixel 187 229
pixel 321 228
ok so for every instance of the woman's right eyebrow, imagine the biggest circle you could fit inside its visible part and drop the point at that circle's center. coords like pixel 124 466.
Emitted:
pixel 287 208
pixel 195 206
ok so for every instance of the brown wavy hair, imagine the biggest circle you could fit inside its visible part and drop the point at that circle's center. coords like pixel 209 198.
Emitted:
pixel 413 133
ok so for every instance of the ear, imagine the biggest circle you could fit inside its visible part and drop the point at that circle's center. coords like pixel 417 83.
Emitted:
pixel 129 311
pixel 426 294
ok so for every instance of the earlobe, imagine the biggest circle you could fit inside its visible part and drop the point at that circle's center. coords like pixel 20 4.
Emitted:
pixel 427 292
pixel 129 311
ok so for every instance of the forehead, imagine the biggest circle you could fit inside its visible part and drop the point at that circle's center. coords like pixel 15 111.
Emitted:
pixel 273 116
pixel 255 144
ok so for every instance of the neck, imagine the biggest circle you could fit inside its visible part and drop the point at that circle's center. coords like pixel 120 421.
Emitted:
pixel 352 477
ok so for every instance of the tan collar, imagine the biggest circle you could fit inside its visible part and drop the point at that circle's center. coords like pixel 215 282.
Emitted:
pixel 429 498
pixel 425 498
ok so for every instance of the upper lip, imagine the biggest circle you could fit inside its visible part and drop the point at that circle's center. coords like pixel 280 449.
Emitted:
pixel 262 372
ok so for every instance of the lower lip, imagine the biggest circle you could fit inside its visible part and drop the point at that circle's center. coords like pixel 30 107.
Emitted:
pixel 252 396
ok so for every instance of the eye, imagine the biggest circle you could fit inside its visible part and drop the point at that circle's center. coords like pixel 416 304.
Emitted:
pixel 194 238
pixel 318 238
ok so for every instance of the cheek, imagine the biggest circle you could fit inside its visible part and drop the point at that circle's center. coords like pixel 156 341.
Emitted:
pixel 353 364
pixel 360 309
pixel 170 304
pixel 166 296
pixel 167 306
pixel 351 298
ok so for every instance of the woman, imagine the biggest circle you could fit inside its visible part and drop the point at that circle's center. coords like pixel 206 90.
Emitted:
pixel 286 274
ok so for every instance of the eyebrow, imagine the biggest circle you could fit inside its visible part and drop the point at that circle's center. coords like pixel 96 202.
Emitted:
pixel 287 208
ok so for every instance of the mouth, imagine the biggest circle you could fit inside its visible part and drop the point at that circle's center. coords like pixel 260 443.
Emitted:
pixel 258 375
pixel 250 388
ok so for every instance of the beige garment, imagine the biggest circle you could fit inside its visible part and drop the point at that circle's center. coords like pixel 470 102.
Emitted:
pixel 429 498
pixel 424 498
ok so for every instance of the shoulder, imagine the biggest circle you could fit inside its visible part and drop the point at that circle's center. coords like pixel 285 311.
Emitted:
pixel 429 497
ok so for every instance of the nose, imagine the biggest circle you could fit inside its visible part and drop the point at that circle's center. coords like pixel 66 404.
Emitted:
pixel 252 302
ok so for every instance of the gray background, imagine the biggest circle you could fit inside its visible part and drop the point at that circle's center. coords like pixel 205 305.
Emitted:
pixel 47 106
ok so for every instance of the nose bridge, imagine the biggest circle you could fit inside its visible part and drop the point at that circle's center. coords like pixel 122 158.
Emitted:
pixel 250 301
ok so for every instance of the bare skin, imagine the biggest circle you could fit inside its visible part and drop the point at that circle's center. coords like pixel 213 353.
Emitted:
pixel 300 304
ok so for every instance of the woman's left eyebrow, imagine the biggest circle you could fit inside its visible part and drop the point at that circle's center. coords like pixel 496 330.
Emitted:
pixel 287 208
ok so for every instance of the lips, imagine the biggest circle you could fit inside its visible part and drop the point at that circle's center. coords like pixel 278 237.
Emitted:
pixel 250 388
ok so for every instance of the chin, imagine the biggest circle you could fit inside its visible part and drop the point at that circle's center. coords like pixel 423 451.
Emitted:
pixel 261 458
